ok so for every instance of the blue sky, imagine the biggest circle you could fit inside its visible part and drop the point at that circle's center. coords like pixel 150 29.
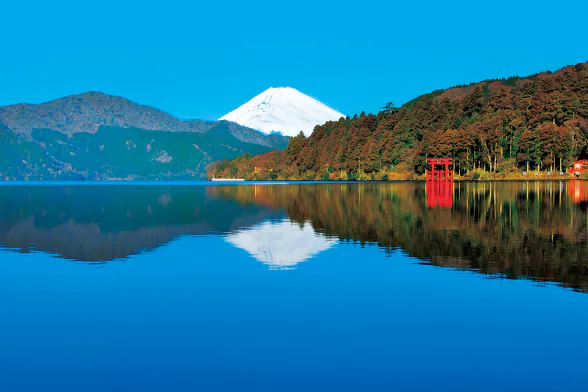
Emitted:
pixel 203 59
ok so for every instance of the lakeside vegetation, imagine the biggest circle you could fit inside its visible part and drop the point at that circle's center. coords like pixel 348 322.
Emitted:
pixel 496 129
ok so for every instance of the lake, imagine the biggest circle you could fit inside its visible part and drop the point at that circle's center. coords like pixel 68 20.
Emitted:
pixel 289 287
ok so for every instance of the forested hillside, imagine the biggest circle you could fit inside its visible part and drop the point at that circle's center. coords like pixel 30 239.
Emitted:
pixel 537 123
pixel 116 153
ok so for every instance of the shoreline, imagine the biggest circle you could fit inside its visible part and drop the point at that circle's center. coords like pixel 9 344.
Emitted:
pixel 268 182
pixel 401 175
pixel 412 177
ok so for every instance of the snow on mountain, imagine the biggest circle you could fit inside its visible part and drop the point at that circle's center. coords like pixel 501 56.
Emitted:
pixel 284 110
pixel 281 244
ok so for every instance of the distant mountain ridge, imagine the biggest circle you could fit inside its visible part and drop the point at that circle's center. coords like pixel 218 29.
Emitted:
pixel 88 111
pixel 285 110
pixel 95 136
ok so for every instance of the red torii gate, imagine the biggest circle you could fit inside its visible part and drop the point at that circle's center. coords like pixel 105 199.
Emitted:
pixel 441 174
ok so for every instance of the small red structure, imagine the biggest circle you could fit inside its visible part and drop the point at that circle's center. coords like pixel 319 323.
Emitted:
pixel 579 166
pixel 440 169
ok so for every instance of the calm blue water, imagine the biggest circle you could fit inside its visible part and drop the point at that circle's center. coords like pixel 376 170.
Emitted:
pixel 218 288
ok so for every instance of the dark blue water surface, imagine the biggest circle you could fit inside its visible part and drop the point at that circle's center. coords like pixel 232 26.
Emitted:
pixel 293 287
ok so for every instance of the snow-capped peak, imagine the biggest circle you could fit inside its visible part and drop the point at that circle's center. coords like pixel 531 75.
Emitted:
pixel 283 109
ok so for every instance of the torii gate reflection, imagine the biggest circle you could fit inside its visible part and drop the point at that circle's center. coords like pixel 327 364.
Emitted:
pixel 439 194
pixel 439 185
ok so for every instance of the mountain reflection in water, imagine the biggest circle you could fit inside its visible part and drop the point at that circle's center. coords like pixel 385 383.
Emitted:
pixel 103 223
pixel 534 230
pixel 281 244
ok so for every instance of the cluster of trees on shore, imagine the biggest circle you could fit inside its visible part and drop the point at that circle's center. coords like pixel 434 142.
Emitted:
pixel 537 123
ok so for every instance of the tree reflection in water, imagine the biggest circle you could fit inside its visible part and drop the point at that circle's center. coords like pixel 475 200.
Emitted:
pixel 534 230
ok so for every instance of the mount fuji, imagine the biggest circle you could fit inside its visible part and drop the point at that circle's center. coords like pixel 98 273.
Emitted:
pixel 285 110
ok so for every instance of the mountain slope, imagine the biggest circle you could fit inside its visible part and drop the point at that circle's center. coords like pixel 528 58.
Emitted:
pixel 284 110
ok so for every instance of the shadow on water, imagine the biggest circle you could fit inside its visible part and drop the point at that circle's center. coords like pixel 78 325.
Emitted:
pixel 535 230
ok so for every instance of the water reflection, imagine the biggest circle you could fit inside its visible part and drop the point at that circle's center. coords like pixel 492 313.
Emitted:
pixel 281 244
pixel 511 229
pixel 578 191
pixel 103 223
pixel 534 230
pixel 439 194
